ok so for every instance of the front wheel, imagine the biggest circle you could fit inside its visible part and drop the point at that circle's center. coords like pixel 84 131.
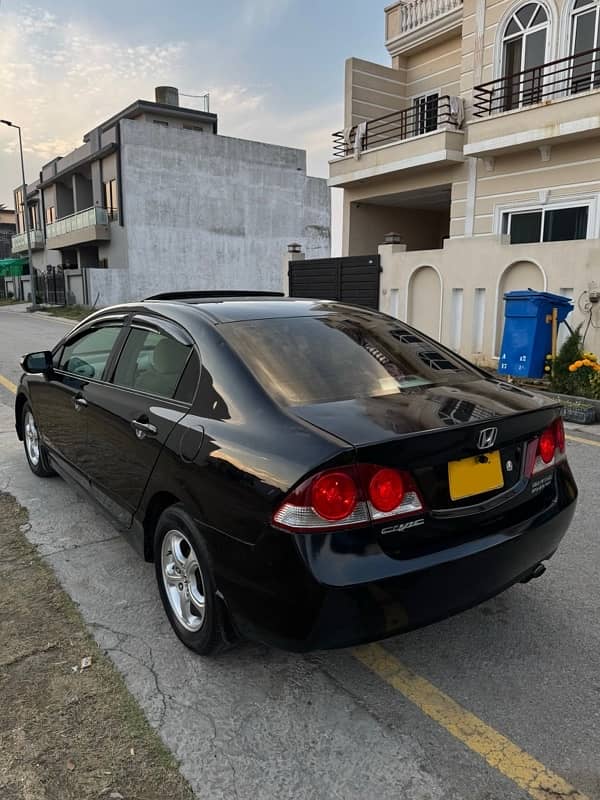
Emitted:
pixel 186 584
pixel 37 456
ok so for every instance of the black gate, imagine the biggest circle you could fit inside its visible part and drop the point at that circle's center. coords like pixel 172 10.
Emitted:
pixel 50 286
pixel 354 279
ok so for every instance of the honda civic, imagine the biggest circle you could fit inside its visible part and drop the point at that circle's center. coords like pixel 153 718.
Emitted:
pixel 304 473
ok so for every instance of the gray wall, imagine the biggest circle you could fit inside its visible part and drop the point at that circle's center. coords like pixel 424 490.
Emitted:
pixel 205 212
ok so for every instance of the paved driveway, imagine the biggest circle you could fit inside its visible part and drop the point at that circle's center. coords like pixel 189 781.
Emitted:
pixel 498 703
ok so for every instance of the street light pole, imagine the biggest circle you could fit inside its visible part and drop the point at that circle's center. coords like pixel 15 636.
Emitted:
pixel 32 281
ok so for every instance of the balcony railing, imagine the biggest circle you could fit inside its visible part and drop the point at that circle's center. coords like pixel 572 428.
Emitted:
pixel 19 241
pixel 422 117
pixel 78 221
pixel 420 12
pixel 566 76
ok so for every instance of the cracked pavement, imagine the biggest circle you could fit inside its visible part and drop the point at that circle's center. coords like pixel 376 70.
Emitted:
pixel 258 723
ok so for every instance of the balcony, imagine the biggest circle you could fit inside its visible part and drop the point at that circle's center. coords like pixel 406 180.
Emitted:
pixel 19 241
pixel 83 227
pixel 410 24
pixel 539 107
pixel 422 135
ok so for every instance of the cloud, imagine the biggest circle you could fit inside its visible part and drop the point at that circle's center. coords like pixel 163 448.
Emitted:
pixel 60 79
pixel 261 13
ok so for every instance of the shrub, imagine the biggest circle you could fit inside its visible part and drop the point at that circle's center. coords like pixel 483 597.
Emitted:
pixel 576 372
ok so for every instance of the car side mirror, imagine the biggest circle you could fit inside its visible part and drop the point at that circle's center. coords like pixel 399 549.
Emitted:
pixel 35 363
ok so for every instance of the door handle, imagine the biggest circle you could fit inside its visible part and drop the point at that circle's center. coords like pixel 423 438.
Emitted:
pixel 143 429
pixel 79 403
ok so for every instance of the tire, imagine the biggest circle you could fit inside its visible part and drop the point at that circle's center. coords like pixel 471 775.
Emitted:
pixel 35 452
pixel 189 597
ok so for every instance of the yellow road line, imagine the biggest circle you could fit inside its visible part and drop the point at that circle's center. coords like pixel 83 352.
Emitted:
pixel 8 384
pixel 581 440
pixel 499 752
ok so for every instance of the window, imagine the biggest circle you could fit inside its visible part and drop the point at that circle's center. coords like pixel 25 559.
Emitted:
pixel 425 113
pixel 523 56
pixel 19 205
pixel 193 128
pixel 153 362
pixel 161 122
pixel 111 199
pixel 50 215
pixel 585 36
pixel 34 217
pixel 324 359
pixel 547 224
pixel 88 354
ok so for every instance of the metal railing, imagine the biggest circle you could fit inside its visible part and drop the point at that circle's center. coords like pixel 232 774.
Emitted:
pixel 78 221
pixel 574 74
pixel 422 117
pixel 420 12
pixel 19 240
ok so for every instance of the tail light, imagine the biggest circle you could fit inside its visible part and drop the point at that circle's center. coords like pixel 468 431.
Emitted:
pixel 547 450
pixel 348 497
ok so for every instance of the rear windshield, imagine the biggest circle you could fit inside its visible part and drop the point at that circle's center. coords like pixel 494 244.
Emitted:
pixel 303 360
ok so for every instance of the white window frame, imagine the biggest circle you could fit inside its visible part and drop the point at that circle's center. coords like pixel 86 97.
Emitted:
pixel 572 22
pixel 503 213
pixel 551 34
pixel 423 96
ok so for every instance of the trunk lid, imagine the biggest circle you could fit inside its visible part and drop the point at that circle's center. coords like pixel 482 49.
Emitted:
pixel 423 429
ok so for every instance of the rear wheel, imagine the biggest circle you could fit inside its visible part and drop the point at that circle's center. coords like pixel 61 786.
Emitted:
pixel 186 584
pixel 37 456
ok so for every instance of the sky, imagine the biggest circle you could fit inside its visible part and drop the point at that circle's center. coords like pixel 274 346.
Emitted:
pixel 274 69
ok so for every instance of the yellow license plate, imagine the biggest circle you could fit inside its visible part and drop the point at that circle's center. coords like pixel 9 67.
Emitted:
pixel 471 476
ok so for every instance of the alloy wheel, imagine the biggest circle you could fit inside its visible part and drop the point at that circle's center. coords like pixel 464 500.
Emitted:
pixel 182 580
pixel 32 439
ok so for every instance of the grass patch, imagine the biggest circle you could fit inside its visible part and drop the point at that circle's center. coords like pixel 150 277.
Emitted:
pixel 65 733
pixel 10 302
pixel 75 312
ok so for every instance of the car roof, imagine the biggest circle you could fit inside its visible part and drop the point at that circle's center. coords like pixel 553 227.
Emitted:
pixel 236 309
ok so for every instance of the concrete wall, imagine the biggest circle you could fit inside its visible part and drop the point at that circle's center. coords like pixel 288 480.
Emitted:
pixel 206 212
pixel 420 229
pixel 483 268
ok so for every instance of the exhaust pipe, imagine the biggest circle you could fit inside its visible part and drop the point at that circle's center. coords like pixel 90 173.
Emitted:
pixel 536 572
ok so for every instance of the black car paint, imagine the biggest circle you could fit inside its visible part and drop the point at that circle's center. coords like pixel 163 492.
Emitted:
pixel 232 455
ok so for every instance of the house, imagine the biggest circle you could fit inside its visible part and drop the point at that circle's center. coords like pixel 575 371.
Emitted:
pixel 155 199
pixel 478 151
pixel 7 230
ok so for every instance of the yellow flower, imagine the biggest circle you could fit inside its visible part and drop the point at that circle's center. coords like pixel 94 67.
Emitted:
pixel 572 368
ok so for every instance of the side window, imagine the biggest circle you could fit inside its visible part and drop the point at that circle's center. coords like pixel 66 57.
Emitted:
pixel 88 354
pixel 151 362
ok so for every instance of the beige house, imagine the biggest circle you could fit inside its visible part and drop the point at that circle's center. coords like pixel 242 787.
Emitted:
pixel 480 147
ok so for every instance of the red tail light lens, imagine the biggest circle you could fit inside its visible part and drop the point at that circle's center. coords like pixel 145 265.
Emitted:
pixel 547 445
pixel 334 495
pixel 348 497
pixel 559 434
pixel 546 451
pixel 386 489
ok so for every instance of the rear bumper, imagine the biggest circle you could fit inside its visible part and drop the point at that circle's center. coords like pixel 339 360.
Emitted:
pixel 329 609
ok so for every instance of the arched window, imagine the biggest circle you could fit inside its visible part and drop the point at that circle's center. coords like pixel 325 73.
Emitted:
pixel 585 37
pixel 523 55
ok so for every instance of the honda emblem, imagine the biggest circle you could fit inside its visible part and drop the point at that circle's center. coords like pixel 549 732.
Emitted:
pixel 487 438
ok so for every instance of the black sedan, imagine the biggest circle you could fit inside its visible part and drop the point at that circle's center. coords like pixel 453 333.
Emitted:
pixel 301 472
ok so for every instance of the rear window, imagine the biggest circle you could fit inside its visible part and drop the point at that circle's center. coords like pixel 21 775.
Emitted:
pixel 303 360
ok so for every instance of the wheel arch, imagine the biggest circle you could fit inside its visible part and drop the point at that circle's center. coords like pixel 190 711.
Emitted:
pixel 158 503
pixel 19 403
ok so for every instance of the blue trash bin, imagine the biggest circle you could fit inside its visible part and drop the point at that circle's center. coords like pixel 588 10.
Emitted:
pixel 527 337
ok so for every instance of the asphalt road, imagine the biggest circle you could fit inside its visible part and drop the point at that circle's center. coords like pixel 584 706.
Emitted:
pixel 438 713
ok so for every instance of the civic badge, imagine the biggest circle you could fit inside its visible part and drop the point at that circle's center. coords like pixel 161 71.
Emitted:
pixel 487 438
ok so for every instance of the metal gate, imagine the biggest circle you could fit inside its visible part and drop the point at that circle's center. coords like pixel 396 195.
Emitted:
pixel 50 286
pixel 354 279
